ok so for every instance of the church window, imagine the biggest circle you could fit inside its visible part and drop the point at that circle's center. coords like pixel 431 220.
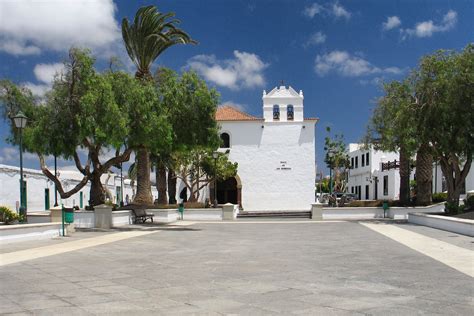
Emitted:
pixel 290 113
pixel 276 112
pixel 225 138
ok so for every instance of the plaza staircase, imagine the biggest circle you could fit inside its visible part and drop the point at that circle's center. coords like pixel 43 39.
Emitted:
pixel 274 214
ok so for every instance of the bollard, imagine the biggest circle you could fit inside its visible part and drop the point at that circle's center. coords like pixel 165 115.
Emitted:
pixel 181 210
pixel 385 207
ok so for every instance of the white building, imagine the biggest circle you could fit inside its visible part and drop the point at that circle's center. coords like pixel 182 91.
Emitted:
pixel 275 154
pixel 370 181
pixel 40 190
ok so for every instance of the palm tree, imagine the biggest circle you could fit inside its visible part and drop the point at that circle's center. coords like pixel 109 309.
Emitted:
pixel 150 34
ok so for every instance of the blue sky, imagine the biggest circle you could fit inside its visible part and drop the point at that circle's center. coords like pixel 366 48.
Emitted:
pixel 337 52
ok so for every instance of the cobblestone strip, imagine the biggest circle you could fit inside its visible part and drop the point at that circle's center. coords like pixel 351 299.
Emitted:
pixel 46 251
pixel 453 256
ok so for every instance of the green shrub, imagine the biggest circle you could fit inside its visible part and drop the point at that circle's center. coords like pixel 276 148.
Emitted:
pixel 8 215
pixel 453 209
pixel 440 197
pixel 469 203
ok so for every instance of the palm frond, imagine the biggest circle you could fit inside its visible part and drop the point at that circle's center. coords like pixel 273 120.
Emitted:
pixel 150 34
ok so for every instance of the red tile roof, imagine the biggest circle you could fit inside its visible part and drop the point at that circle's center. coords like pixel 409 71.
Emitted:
pixel 229 113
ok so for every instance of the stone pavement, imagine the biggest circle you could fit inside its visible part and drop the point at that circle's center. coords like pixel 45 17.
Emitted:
pixel 246 268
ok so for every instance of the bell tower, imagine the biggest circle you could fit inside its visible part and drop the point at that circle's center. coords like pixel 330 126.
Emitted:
pixel 283 104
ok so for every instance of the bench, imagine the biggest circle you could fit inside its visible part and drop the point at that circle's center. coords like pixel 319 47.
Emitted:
pixel 141 216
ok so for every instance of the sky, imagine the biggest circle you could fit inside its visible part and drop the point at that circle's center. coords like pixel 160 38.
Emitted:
pixel 338 52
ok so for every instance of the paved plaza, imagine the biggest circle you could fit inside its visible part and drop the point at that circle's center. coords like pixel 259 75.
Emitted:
pixel 242 267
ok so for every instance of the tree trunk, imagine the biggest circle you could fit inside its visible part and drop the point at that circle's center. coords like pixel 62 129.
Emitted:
pixel 143 196
pixel 97 192
pixel 454 176
pixel 404 177
pixel 161 183
pixel 424 175
pixel 172 181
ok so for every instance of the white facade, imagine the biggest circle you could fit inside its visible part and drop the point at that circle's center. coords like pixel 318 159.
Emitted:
pixel 369 182
pixel 366 178
pixel 276 158
pixel 39 188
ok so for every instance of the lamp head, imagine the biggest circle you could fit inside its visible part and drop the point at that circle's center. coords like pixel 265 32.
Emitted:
pixel 20 120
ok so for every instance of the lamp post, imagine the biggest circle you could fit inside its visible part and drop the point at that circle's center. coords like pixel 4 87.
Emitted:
pixel 56 175
pixel 215 155
pixel 20 123
pixel 331 155
pixel 121 183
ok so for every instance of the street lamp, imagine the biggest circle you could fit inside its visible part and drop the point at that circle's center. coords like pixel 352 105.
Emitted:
pixel 215 155
pixel 56 176
pixel 20 123
pixel 331 155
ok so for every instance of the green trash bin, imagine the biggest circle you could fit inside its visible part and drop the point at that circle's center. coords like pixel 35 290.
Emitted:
pixel 181 209
pixel 68 215
pixel 385 207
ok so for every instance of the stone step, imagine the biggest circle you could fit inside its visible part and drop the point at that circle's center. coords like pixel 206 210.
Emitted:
pixel 270 214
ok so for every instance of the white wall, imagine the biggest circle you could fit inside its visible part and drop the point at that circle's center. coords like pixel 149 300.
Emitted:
pixel 37 182
pixel 262 149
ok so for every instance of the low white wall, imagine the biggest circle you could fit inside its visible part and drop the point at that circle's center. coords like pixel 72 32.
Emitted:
pixel 451 224
pixel 86 219
pixel 203 214
pixel 121 218
pixel 164 215
pixel 402 212
pixel 28 232
pixel 355 213
pixel 39 217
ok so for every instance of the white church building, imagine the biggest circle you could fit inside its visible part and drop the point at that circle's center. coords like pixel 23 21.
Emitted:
pixel 275 154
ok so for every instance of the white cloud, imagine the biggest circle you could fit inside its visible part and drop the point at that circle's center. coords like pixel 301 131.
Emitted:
pixel 315 39
pixel 44 73
pixel 312 10
pixel 339 11
pixel 245 70
pixel 347 65
pixel 333 9
pixel 391 23
pixel 38 90
pixel 29 27
pixel 428 28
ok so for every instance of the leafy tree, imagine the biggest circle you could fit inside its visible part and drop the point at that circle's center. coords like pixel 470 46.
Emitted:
pixel 392 128
pixel 90 112
pixel 337 159
pixel 190 107
pixel 150 34
pixel 445 85
pixel 432 113
pixel 197 168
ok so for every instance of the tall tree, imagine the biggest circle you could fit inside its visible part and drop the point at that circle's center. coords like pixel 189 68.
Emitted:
pixel 150 34
pixel 392 128
pixel 90 112
pixel 336 159
pixel 197 169
pixel 445 87
pixel 432 113
pixel 190 106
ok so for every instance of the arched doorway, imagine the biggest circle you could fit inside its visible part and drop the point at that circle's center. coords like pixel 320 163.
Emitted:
pixel 228 191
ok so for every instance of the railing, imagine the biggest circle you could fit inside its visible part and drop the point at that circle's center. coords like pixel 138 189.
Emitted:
pixel 390 165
